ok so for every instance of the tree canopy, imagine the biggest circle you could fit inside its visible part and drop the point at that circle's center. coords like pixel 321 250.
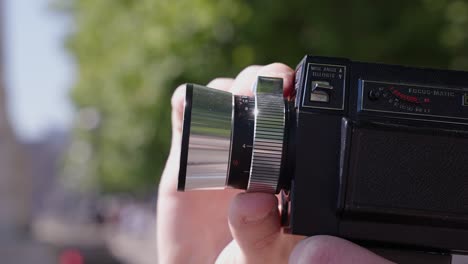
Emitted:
pixel 132 54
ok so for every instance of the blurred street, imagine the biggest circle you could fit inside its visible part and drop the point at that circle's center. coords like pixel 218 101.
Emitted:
pixel 130 239
pixel 43 219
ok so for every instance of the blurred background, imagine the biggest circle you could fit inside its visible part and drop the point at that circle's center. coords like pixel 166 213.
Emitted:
pixel 85 92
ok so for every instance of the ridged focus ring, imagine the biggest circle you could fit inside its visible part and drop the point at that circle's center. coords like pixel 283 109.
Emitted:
pixel 268 142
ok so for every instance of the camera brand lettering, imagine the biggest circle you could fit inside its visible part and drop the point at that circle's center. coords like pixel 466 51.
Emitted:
pixel 422 91
pixel 328 72
pixel 324 74
pixel 325 69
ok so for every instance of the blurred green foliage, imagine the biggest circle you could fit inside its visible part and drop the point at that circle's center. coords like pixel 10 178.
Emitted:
pixel 132 54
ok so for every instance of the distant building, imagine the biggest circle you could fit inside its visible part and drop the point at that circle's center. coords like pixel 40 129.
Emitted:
pixel 14 185
pixel 16 243
pixel 44 158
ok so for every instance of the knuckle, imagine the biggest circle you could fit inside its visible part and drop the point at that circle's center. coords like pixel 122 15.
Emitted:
pixel 251 69
pixel 220 83
pixel 317 249
pixel 279 65
pixel 215 81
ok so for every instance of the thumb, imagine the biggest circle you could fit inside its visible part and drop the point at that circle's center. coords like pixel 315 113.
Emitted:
pixel 255 225
pixel 332 250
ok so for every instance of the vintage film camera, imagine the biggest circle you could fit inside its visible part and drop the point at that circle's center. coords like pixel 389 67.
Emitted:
pixel 374 153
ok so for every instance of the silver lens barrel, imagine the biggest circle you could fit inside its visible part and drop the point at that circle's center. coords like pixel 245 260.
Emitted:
pixel 206 138
pixel 213 119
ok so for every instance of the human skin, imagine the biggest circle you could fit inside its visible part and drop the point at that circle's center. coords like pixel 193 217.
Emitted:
pixel 230 226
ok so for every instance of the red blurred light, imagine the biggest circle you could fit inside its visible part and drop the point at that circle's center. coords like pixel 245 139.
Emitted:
pixel 71 256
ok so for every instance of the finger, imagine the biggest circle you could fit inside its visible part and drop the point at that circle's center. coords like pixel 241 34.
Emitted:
pixel 224 84
pixel 168 180
pixel 280 70
pixel 255 225
pixel 177 102
pixel 332 250
pixel 245 81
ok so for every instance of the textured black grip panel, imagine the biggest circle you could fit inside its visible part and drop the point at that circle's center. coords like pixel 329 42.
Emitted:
pixel 409 173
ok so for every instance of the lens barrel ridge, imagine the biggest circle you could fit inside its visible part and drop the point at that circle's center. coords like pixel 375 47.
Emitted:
pixel 269 135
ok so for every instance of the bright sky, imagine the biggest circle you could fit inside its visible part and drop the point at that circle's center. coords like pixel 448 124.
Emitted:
pixel 39 73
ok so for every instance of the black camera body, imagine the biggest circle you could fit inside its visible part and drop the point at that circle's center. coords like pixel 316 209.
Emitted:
pixel 369 152
pixel 379 154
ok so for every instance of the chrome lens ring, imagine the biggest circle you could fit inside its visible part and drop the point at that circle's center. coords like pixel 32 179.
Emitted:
pixel 269 132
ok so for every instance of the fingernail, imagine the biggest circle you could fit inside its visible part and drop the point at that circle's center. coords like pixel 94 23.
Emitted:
pixel 258 218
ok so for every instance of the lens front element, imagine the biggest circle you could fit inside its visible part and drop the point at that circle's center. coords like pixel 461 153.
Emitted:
pixel 206 138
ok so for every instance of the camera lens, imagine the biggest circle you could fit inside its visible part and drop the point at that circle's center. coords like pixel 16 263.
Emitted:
pixel 233 141
pixel 206 138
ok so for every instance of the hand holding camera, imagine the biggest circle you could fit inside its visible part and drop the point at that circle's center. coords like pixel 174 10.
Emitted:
pixel 233 227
